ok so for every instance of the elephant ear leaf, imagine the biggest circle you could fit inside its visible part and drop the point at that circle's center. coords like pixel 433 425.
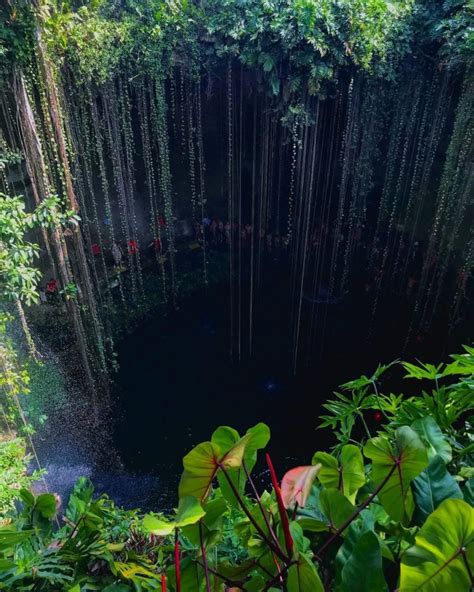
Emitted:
pixel 352 468
pixel 335 507
pixel 202 464
pixel 303 577
pixel 431 487
pixel 189 512
pixel 363 569
pixel 347 476
pixel 443 555
pixel 394 466
pixel 296 485
pixel 255 439
pixel 433 438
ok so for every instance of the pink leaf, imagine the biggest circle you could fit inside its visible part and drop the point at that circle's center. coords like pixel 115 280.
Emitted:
pixel 296 485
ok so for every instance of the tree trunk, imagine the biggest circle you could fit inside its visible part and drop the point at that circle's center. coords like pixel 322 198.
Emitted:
pixel 41 186
pixel 56 120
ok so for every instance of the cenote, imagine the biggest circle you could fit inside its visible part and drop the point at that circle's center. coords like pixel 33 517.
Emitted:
pixel 236 286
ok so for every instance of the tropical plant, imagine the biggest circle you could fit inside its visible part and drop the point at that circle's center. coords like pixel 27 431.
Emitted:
pixel 13 469
pixel 392 511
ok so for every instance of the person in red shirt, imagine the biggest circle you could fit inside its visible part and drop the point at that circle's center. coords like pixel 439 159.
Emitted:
pixel 52 290
pixel 132 247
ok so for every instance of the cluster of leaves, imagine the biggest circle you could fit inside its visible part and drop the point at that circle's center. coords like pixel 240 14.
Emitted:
pixel 446 29
pixel 294 45
pixel 8 157
pixel 18 276
pixel 16 34
pixel 13 468
pixel 394 510
pixel 446 398
pixel 14 381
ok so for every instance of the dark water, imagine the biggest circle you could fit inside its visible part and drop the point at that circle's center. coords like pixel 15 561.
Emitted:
pixel 178 381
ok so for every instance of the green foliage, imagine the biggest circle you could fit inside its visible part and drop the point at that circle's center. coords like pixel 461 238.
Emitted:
pixel 393 511
pixel 395 464
pixel 13 470
pixel 442 405
pixel 18 276
pixel 443 551
pixel 295 46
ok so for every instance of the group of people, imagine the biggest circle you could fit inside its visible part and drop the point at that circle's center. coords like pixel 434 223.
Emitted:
pixel 221 234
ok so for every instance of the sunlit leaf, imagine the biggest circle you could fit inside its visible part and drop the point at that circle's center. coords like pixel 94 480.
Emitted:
pixel 394 466
pixel 443 550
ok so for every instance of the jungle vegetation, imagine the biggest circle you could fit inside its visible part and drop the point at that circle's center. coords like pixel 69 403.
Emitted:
pixel 95 98
pixel 387 510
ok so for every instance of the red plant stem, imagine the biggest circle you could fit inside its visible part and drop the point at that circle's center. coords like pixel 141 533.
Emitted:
pixel 281 507
pixel 262 509
pixel 257 527
pixel 353 516
pixel 163 582
pixel 275 561
pixel 204 558
pixel 177 562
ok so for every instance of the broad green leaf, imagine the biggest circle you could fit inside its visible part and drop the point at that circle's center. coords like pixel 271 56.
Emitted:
pixel 202 464
pixel 10 538
pixel 433 438
pixel 45 504
pixel 423 371
pixel 192 577
pixel 303 577
pixel 328 475
pixel 437 562
pixel 255 584
pixel 432 487
pixel 200 468
pixel 190 511
pixel 363 524
pixel 158 526
pixel 300 541
pixel 27 497
pixel 335 507
pixel 313 524
pixel 394 466
pixel 255 438
pixel 296 485
pixel 347 476
pixel 363 569
pixel 214 509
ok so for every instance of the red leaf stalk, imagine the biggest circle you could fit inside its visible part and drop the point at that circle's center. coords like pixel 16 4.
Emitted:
pixel 177 562
pixel 281 508
pixel 163 582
